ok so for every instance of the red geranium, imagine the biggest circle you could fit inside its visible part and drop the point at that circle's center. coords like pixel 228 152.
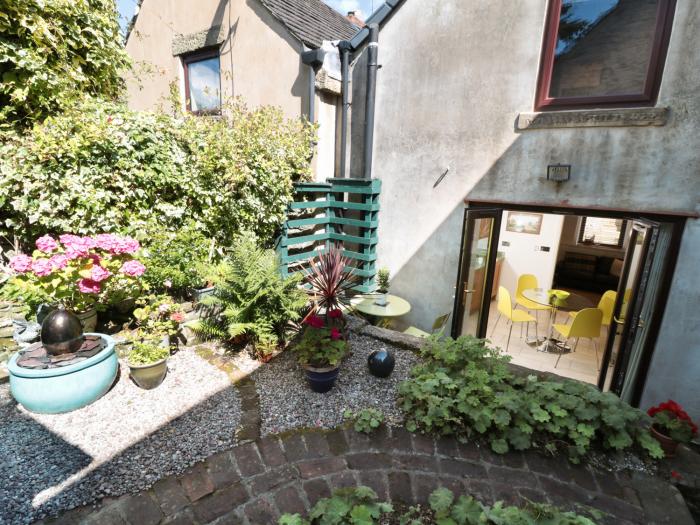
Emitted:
pixel 335 334
pixel 671 417
pixel 314 321
pixel 335 314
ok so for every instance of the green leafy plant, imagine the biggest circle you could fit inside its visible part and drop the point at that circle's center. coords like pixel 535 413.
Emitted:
pixel 176 260
pixel 53 53
pixel 252 299
pixel 157 315
pixel 98 166
pixel 351 506
pixel 322 344
pixel 465 388
pixel 383 280
pixel 366 420
pixel 146 353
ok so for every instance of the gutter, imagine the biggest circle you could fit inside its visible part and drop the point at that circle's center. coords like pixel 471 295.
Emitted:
pixel 313 59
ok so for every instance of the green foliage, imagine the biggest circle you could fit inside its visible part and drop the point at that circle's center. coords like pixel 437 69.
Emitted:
pixel 175 260
pixel 252 298
pixel 157 315
pixel 366 420
pixel 465 388
pixel 319 347
pixel 99 167
pixel 146 353
pixel 349 506
pixel 52 52
pixel 670 425
pixel 383 280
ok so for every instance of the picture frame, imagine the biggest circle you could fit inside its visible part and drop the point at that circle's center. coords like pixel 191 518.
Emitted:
pixel 524 222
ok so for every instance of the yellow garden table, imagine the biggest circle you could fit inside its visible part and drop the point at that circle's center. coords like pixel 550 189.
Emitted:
pixel 395 307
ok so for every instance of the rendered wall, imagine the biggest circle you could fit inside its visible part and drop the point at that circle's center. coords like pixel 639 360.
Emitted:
pixel 454 77
pixel 260 61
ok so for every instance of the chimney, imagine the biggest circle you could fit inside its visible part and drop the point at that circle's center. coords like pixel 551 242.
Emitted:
pixel 354 19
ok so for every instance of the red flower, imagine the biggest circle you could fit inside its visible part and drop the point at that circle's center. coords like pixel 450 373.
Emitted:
pixel 335 314
pixel 676 410
pixel 335 334
pixel 314 321
pixel 675 474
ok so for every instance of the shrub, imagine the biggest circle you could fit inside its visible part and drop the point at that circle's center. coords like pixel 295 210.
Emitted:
pixel 176 260
pixel 53 52
pixel 146 353
pixel 465 388
pixel 252 298
pixel 101 167
pixel 366 420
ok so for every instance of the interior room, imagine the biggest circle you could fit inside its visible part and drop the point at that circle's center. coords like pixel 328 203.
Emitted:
pixel 580 256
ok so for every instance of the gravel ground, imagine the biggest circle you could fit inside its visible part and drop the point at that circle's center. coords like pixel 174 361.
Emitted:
pixel 286 401
pixel 124 442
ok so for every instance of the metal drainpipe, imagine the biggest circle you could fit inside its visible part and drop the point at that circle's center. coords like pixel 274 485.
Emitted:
pixel 314 59
pixel 372 66
pixel 344 47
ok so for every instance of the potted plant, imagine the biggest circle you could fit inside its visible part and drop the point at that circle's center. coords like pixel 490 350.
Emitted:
pixel 148 363
pixel 321 349
pixel 671 425
pixel 382 286
pixel 158 319
pixel 78 273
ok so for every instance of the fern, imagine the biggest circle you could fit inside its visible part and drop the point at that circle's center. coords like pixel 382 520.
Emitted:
pixel 252 298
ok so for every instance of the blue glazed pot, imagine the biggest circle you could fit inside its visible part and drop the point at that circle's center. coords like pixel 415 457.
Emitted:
pixel 57 390
pixel 321 379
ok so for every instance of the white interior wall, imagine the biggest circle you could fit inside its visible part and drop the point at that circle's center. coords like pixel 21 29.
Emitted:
pixel 523 255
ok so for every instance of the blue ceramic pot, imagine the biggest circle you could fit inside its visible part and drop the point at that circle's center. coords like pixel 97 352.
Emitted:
pixel 321 379
pixel 57 390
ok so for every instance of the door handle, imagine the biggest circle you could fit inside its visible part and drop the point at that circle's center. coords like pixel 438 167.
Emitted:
pixel 619 321
pixel 466 292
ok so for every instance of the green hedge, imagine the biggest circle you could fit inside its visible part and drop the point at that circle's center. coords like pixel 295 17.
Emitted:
pixel 100 167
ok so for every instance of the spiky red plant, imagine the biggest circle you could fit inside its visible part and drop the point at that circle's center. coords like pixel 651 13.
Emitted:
pixel 330 277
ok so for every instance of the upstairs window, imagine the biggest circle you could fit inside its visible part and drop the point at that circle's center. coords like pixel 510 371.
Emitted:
pixel 203 82
pixel 602 232
pixel 602 53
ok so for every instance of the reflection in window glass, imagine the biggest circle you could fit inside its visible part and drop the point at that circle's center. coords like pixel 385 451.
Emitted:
pixel 204 85
pixel 602 231
pixel 603 47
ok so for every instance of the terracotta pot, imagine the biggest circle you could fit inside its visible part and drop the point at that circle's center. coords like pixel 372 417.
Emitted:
pixel 668 445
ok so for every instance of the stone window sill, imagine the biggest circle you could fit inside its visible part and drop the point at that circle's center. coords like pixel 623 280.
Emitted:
pixel 592 118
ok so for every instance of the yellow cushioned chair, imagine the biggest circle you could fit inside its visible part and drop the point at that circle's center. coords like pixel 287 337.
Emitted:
pixel 438 327
pixel 606 305
pixel 586 324
pixel 526 281
pixel 505 309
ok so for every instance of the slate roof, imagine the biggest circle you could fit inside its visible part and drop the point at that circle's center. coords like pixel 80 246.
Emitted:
pixel 311 21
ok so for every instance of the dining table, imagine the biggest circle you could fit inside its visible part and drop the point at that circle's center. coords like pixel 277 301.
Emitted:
pixel 573 302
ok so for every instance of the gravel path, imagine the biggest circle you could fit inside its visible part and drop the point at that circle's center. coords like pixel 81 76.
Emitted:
pixel 124 442
pixel 286 401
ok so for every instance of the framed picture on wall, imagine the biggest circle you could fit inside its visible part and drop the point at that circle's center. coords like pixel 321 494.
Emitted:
pixel 524 222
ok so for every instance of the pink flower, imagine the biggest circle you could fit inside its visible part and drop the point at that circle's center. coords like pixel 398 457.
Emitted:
pixel 168 283
pixel 126 245
pixel 314 321
pixel 133 268
pixel 96 259
pixel 46 244
pixel 88 286
pixel 164 308
pixel 58 261
pixel 42 267
pixel 106 241
pixel 21 263
pixel 99 273
pixel 177 317
pixel 335 334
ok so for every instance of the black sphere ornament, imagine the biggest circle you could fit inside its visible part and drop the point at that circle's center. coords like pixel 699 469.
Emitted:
pixel 381 363
pixel 61 332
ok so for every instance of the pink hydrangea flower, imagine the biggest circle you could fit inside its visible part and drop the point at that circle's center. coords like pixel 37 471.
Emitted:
pixel 76 247
pixel 126 245
pixel 132 268
pixel 58 261
pixel 96 259
pixel 21 263
pixel 88 286
pixel 46 244
pixel 99 273
pixel 106 241
pixel 42 267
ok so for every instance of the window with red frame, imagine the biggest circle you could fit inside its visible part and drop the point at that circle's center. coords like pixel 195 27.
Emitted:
pixel 602 53
pixel 202 82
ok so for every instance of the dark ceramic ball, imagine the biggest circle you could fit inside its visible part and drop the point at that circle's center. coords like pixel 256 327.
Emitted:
pixel 61 332
pixel 381 363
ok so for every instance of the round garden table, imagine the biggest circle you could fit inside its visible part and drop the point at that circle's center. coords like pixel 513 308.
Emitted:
pixel 573 303
pixel 395 306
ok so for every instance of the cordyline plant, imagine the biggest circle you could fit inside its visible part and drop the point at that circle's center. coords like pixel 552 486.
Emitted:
pixel 330 277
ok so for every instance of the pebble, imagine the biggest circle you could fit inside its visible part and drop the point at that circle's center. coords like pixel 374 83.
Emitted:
pixel 53 462
pixel 287 402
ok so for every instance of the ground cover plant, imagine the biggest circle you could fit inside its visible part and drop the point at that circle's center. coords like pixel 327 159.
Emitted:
pixel 366 420
pixel 361 506
pixel 465 388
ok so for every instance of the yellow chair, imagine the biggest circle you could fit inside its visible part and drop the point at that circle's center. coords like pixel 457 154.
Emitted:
pixel 606 305
pixel 586 324
pixel 505 308
pixel 526 281
pixel 438 327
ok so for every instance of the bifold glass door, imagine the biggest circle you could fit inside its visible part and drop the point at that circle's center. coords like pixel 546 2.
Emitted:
pixel 475 282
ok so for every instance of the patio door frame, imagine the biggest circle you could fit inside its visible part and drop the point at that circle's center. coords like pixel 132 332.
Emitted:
pixel 649 218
